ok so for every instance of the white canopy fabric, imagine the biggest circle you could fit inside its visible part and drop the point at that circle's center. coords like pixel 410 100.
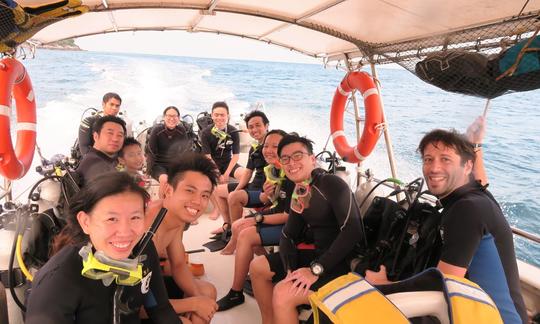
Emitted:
pixel 330 29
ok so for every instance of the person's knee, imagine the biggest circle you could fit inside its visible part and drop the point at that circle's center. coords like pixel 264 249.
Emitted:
pixel 259 268
pixel 248 236
pixel 238 197
pixel 222 191
pixel 207 289
pixel 281 296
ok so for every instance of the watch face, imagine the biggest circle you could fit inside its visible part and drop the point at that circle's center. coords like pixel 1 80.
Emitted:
pixel 317 269
pixel 258 218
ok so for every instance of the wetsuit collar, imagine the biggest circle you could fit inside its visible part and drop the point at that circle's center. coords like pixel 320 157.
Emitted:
pixel 103 155
pixel 316 173
pixel 461 191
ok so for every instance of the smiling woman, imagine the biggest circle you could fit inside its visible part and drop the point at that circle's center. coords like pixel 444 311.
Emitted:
pixel 108 216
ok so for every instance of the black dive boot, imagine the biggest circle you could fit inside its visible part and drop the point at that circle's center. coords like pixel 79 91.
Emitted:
pixel 232 299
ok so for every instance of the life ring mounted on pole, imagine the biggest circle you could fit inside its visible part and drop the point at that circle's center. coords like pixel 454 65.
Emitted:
pixel 14 163
pixel 364 83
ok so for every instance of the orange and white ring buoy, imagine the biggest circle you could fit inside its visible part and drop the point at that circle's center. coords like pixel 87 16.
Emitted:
pixel 13 78
pixel 364 83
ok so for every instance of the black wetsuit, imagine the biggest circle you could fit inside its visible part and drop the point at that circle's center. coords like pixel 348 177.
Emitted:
pixel 332 221
pixel 256 162
pixel 86 139
pixel 477 236
pixel 221 151
pixel 164 144
pixel 61 295
pixel 93 164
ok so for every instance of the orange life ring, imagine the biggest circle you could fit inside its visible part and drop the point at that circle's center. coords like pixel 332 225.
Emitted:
pixel 363 82
pixel 13 78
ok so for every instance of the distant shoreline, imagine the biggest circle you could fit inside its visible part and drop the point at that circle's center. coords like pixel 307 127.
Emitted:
pixel 60 48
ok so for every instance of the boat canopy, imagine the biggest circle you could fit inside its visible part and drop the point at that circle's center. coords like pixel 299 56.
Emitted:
pixel 364 30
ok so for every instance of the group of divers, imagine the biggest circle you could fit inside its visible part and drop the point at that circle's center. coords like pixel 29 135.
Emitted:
pixel 301 208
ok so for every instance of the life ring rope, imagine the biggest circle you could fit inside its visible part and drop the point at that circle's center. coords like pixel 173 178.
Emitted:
pixel 373 121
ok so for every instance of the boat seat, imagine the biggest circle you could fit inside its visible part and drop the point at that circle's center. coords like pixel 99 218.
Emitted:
pixel 421 303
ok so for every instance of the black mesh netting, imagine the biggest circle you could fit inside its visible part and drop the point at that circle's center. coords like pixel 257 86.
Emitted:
pixel 18 24
pixel 485 61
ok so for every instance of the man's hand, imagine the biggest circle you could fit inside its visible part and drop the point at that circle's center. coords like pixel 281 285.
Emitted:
pixel 205 307
pixel 242 223
pixel 477 130
pixel 301 279
pixel 377 278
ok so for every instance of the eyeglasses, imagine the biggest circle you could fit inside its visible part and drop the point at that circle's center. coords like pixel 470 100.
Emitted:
pixel 172 116
pixel 296 156
pixel 301 197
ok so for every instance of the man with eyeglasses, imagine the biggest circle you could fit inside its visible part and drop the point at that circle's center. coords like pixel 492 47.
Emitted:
pixel 167 141
pixel 317 241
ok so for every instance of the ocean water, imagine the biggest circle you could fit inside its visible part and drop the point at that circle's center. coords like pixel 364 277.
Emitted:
pixel 296 97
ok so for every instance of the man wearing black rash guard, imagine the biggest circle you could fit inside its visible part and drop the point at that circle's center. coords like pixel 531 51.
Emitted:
pixel 477 240
pixel 231 198
pixel 109 134
pixel 322 229
pixel 111 107
pixel 221 142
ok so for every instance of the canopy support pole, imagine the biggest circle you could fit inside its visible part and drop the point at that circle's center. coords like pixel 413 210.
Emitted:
pixel 486 108
pixel 387 139
pixel 356 120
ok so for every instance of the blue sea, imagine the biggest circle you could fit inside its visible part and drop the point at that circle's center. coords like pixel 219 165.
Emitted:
pixel 296 97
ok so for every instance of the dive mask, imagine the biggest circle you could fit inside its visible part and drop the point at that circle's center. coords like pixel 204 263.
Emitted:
pixel 221 135
pixel 301 197
pixel 98 266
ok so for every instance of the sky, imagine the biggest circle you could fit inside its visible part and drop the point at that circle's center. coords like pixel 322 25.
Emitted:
pixel 181 43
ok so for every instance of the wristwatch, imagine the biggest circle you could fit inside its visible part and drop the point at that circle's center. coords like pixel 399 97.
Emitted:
pixel 316 268
pixel 259 218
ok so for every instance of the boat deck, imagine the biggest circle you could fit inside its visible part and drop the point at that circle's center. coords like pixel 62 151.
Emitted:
pixel 219 271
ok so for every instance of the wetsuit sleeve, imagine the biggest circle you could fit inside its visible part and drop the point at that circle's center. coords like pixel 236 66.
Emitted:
pixel 156 301
pixel 205 142
pixel 85 134
pixel 462 232
pixel 348 219
pixel 54 297
pixel 153 142
pixel 290 237
pixel 236 142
